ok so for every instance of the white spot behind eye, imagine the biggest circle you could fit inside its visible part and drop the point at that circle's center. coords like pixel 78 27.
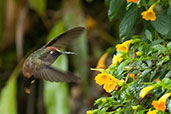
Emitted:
pixel 52 52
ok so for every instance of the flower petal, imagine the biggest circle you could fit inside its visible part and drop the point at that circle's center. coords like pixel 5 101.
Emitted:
pixel 145 90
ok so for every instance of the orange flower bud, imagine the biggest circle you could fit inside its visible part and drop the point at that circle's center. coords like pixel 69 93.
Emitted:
pixel 102 60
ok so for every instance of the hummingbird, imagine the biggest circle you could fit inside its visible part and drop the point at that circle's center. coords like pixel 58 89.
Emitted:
pixel 38 64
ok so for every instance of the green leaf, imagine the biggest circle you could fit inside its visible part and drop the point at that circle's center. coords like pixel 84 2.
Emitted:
pixel 56 98
pixel 39 6
pixel 155 42
pixel 148 35
pixel 127 22
pixel 122 66
pixel 169 45
pixel 168 74
pixel 129 4
pixel 169 106
pixel 8 96
pixel 165 81
pixel 169 11
pixel 162 24
pixel 160 48
pixel 146 71
pixel 114 8
pixel 168 36
pixel 164 59
pixel 149 62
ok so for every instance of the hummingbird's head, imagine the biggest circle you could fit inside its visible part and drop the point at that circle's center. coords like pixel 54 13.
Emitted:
pixel 50 54
pixel 53 50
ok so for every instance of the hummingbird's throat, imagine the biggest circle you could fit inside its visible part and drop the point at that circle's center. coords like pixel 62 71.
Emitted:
pixel 53 48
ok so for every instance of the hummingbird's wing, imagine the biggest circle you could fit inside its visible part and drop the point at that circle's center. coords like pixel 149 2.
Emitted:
pixel 54 75
pixel 65 38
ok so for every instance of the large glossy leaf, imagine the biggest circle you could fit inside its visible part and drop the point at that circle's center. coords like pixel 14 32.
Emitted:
pixel 148 35
pixel 127 22
pixel 114 7
pixel 8 101
pixel 162 24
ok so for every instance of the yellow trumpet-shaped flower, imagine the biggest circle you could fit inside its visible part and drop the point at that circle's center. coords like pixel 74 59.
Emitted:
pixel 117 59
pixel 152 112
pixel 131 75
pixel 124 46
pixel 110 86
pixel 150 14
pixel 160 104
pixel 102 78
pixel 145 90
pixel 102 60
pixel 110 82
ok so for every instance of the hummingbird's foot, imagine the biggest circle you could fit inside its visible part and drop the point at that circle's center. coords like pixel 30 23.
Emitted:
pixel 27 90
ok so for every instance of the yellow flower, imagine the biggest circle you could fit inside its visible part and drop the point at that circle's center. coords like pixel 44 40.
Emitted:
pixel 110 82
pixel 134 1
pixel 145 90
pixel 131 75
pixel 116 59
pixel 90 22
pixel 89 112
pixel 134 107
pixel 150 14
pixel 124 46
pixel 102 78
pixel 138 53
pixel 110 86
pixel 101 62
pixel 152 112
pixel 160 104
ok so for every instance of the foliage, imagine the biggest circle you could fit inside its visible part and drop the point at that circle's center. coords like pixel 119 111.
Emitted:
pixel 146 65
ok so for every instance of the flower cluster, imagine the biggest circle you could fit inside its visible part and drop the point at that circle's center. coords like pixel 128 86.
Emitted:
pixel 121 47
pixel 132 68
pixel 104 78
pixel 148 14
pixel 159 104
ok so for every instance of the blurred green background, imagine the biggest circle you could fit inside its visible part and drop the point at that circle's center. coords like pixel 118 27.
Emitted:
pixel 25 25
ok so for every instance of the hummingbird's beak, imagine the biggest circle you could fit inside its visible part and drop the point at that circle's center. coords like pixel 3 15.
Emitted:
pixel 69 53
